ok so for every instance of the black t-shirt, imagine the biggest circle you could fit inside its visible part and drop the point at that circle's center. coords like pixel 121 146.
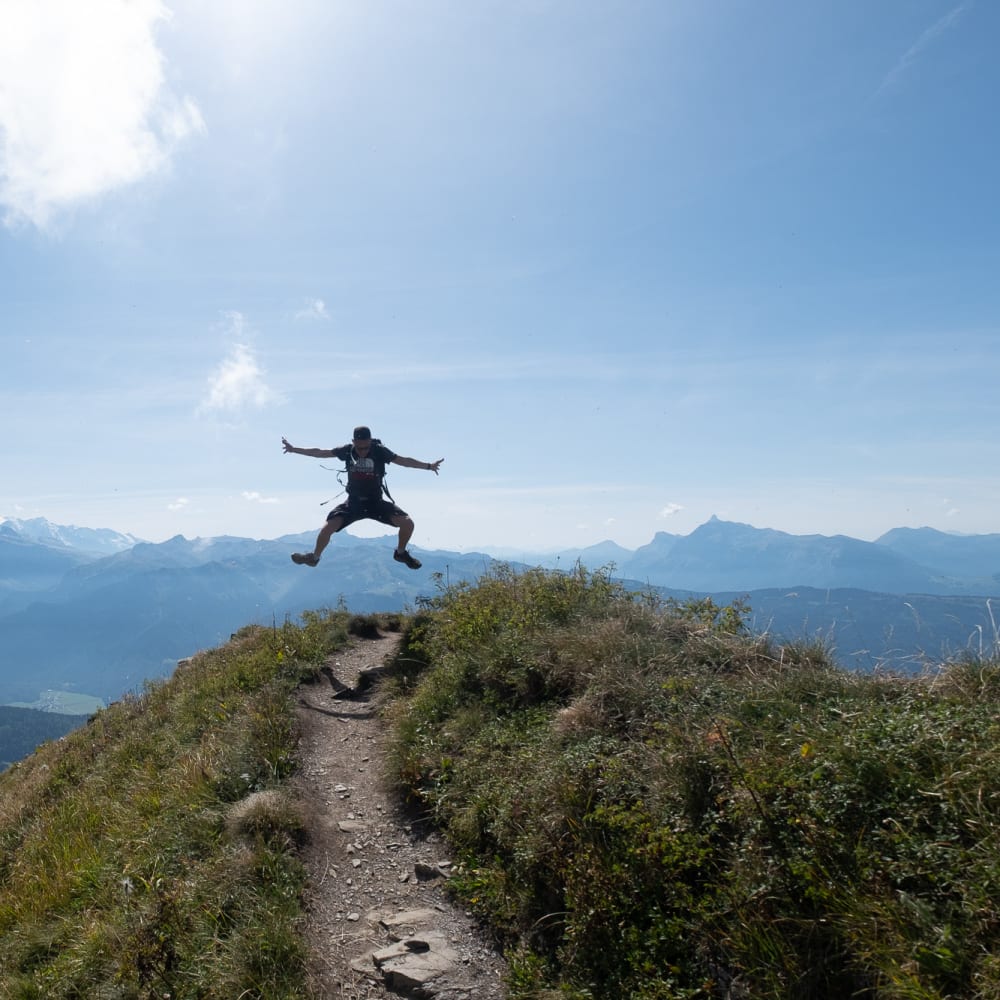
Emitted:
pixel 365 475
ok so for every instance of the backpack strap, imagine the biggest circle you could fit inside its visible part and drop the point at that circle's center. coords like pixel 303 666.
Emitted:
pixel 380 470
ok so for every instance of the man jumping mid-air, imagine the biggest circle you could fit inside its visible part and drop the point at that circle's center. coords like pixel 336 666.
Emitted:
pixel 366 461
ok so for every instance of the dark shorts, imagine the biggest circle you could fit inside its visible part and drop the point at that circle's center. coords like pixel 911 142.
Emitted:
pixel 377 510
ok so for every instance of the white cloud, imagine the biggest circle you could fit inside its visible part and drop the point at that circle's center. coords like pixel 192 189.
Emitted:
pixel 84 105
pixel 254 497
pixel 670 510
pixel 179 504
pixel 237 383
pixel 313 309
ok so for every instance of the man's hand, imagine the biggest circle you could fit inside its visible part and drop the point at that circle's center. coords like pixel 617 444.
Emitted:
pixel 288 447
pixel 434 466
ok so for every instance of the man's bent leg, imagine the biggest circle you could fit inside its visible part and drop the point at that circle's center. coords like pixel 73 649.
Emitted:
pixel 329 529
pixel 405 524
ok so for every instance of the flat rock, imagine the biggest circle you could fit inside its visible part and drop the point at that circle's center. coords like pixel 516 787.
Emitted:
pixel 412 963
pixel 351 826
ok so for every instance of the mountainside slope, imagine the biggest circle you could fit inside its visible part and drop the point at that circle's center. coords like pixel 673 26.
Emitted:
pixel 27 568
pixel 868 631
pixel 24 729
pixel 959 556
pixel 140 855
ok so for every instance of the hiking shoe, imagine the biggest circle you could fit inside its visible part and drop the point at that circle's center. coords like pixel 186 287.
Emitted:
pixel 405 557
pixel 305 558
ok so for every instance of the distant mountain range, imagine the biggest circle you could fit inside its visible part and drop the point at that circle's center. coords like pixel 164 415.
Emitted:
pixel 725 556
pixel 97 612
pixel 91 541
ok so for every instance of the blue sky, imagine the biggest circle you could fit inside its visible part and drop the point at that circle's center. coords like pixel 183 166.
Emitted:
pixel 624 266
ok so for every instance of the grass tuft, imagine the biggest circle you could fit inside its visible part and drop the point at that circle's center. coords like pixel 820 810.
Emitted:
pixel 269 815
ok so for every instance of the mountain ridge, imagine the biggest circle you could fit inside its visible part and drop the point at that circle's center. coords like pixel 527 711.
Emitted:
pixel 101 624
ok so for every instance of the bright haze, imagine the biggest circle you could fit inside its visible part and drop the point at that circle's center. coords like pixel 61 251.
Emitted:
pixel 622 265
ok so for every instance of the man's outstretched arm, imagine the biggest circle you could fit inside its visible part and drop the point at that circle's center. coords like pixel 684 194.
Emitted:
pixel 412 463
pixel 309 452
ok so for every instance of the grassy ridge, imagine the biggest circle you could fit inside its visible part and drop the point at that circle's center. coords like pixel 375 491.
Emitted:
pixel 645 800
pixel 650 803
pixel 149 853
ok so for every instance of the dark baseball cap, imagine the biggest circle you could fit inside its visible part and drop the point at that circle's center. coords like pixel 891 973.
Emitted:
pixel 362 433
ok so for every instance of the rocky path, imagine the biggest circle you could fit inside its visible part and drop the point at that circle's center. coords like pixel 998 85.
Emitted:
pixel 380 923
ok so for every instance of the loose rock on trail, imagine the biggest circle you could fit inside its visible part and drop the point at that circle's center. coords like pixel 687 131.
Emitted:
pixel 380 922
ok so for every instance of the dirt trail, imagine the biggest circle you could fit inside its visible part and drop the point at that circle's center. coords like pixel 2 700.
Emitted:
pixel 380 923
